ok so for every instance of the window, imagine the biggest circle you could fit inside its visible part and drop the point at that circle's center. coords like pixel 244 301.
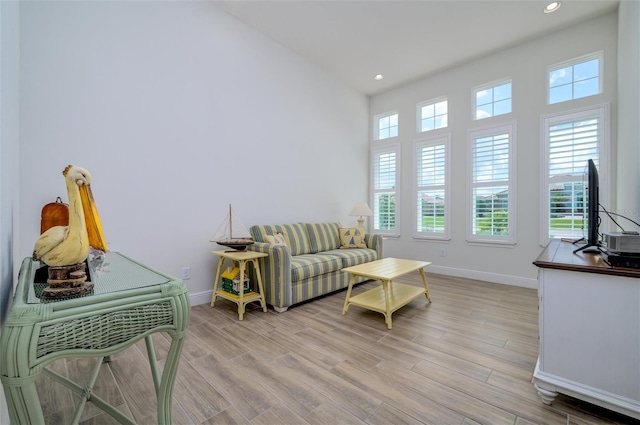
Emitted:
pixel 493 100
pixel 386 170
pixel 492 198
pixel 432 115
pixel 386 126
pixel 432 168
pixel 570 140
pixel 575 79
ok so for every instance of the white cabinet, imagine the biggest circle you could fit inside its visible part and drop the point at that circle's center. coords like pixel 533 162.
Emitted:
pixel 589 330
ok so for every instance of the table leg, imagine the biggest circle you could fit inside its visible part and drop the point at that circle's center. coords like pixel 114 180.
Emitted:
pixel 165 395
pixel 256 268
pixel 242 264
pixel 22 400
pixel 217 281
pixel 547 396
pixel 386 287
pixel 426 285
pixel 346 300
pixel 153 362
pixel 17 375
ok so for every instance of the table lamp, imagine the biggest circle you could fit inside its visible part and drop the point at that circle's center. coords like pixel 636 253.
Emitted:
pixel 361 209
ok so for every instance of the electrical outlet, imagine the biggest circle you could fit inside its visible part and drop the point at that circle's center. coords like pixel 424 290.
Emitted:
pixel 186 273
pixel 443 252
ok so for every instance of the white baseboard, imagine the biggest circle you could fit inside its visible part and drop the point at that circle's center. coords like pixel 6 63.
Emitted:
pixel 205 297
pixel 201 297
pixel 485 276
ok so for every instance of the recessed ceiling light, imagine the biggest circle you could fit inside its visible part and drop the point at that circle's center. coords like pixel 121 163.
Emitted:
pixel 378 77
pixel 552 7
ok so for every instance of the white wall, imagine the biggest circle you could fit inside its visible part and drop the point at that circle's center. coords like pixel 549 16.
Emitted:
pixel 178 109
pixel 9 101
pixel 526 65
pixel 162 100
pixel 628 157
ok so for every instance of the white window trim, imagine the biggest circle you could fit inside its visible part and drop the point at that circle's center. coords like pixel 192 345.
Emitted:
pixel 438 140
pixel 486 86
pixel 376 125
pixel 602 111
pixel 585 58
pixel 374 151
pixel 419 106
pixel 472 134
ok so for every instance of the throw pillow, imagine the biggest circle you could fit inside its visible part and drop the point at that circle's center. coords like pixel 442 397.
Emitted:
pixel 351 238
pixel 277 239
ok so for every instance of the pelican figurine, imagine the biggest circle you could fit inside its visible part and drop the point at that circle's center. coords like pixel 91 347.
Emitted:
pixel 69 245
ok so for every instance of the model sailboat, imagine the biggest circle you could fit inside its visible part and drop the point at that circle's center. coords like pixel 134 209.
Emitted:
pixel 232 233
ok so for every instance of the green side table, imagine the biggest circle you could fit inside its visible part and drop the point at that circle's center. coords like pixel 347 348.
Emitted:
pixel 129 301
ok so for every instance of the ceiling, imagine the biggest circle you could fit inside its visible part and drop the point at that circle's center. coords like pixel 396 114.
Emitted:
pixel 404 40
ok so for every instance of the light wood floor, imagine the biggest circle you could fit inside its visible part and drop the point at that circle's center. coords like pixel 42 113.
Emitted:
pixel 466 358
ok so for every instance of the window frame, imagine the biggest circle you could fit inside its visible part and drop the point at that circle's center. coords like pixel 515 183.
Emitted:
pixel 376 124
pixel 375 152
pixel 430 102
pixel 602 111
pixel 472 135
pixel 444 140
pixel 573 62
pixel 492 85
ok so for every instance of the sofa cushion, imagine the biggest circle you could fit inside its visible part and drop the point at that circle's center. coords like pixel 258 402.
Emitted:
pixel 351 237
pixel 277 239
pixel 310 265
pixel 353 257
pixel 323 236
pixel 295 235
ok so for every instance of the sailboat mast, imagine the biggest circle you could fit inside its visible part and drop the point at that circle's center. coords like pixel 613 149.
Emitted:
pixel 230 224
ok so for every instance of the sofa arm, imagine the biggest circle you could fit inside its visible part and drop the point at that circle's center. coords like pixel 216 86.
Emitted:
pixel 374 241
pixel 275 271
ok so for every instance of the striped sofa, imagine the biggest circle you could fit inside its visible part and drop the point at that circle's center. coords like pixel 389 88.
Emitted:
pixel 309 264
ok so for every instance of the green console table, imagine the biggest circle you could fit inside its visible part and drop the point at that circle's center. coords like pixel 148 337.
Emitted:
pixel 129 302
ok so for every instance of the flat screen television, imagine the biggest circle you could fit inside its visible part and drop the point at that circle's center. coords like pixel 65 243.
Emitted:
pixel 591 219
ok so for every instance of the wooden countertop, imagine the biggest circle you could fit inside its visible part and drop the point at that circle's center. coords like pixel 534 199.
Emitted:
pixel 559 255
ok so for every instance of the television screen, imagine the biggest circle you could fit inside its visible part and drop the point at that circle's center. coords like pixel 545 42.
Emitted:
pixel 592 208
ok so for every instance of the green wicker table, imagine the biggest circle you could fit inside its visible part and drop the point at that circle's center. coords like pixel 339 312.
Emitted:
pixel 129 301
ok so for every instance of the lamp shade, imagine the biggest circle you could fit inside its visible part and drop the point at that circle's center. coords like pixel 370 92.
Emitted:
pixel 361 209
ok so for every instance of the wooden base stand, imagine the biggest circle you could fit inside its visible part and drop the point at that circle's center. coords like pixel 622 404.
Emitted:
pixel 66 281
